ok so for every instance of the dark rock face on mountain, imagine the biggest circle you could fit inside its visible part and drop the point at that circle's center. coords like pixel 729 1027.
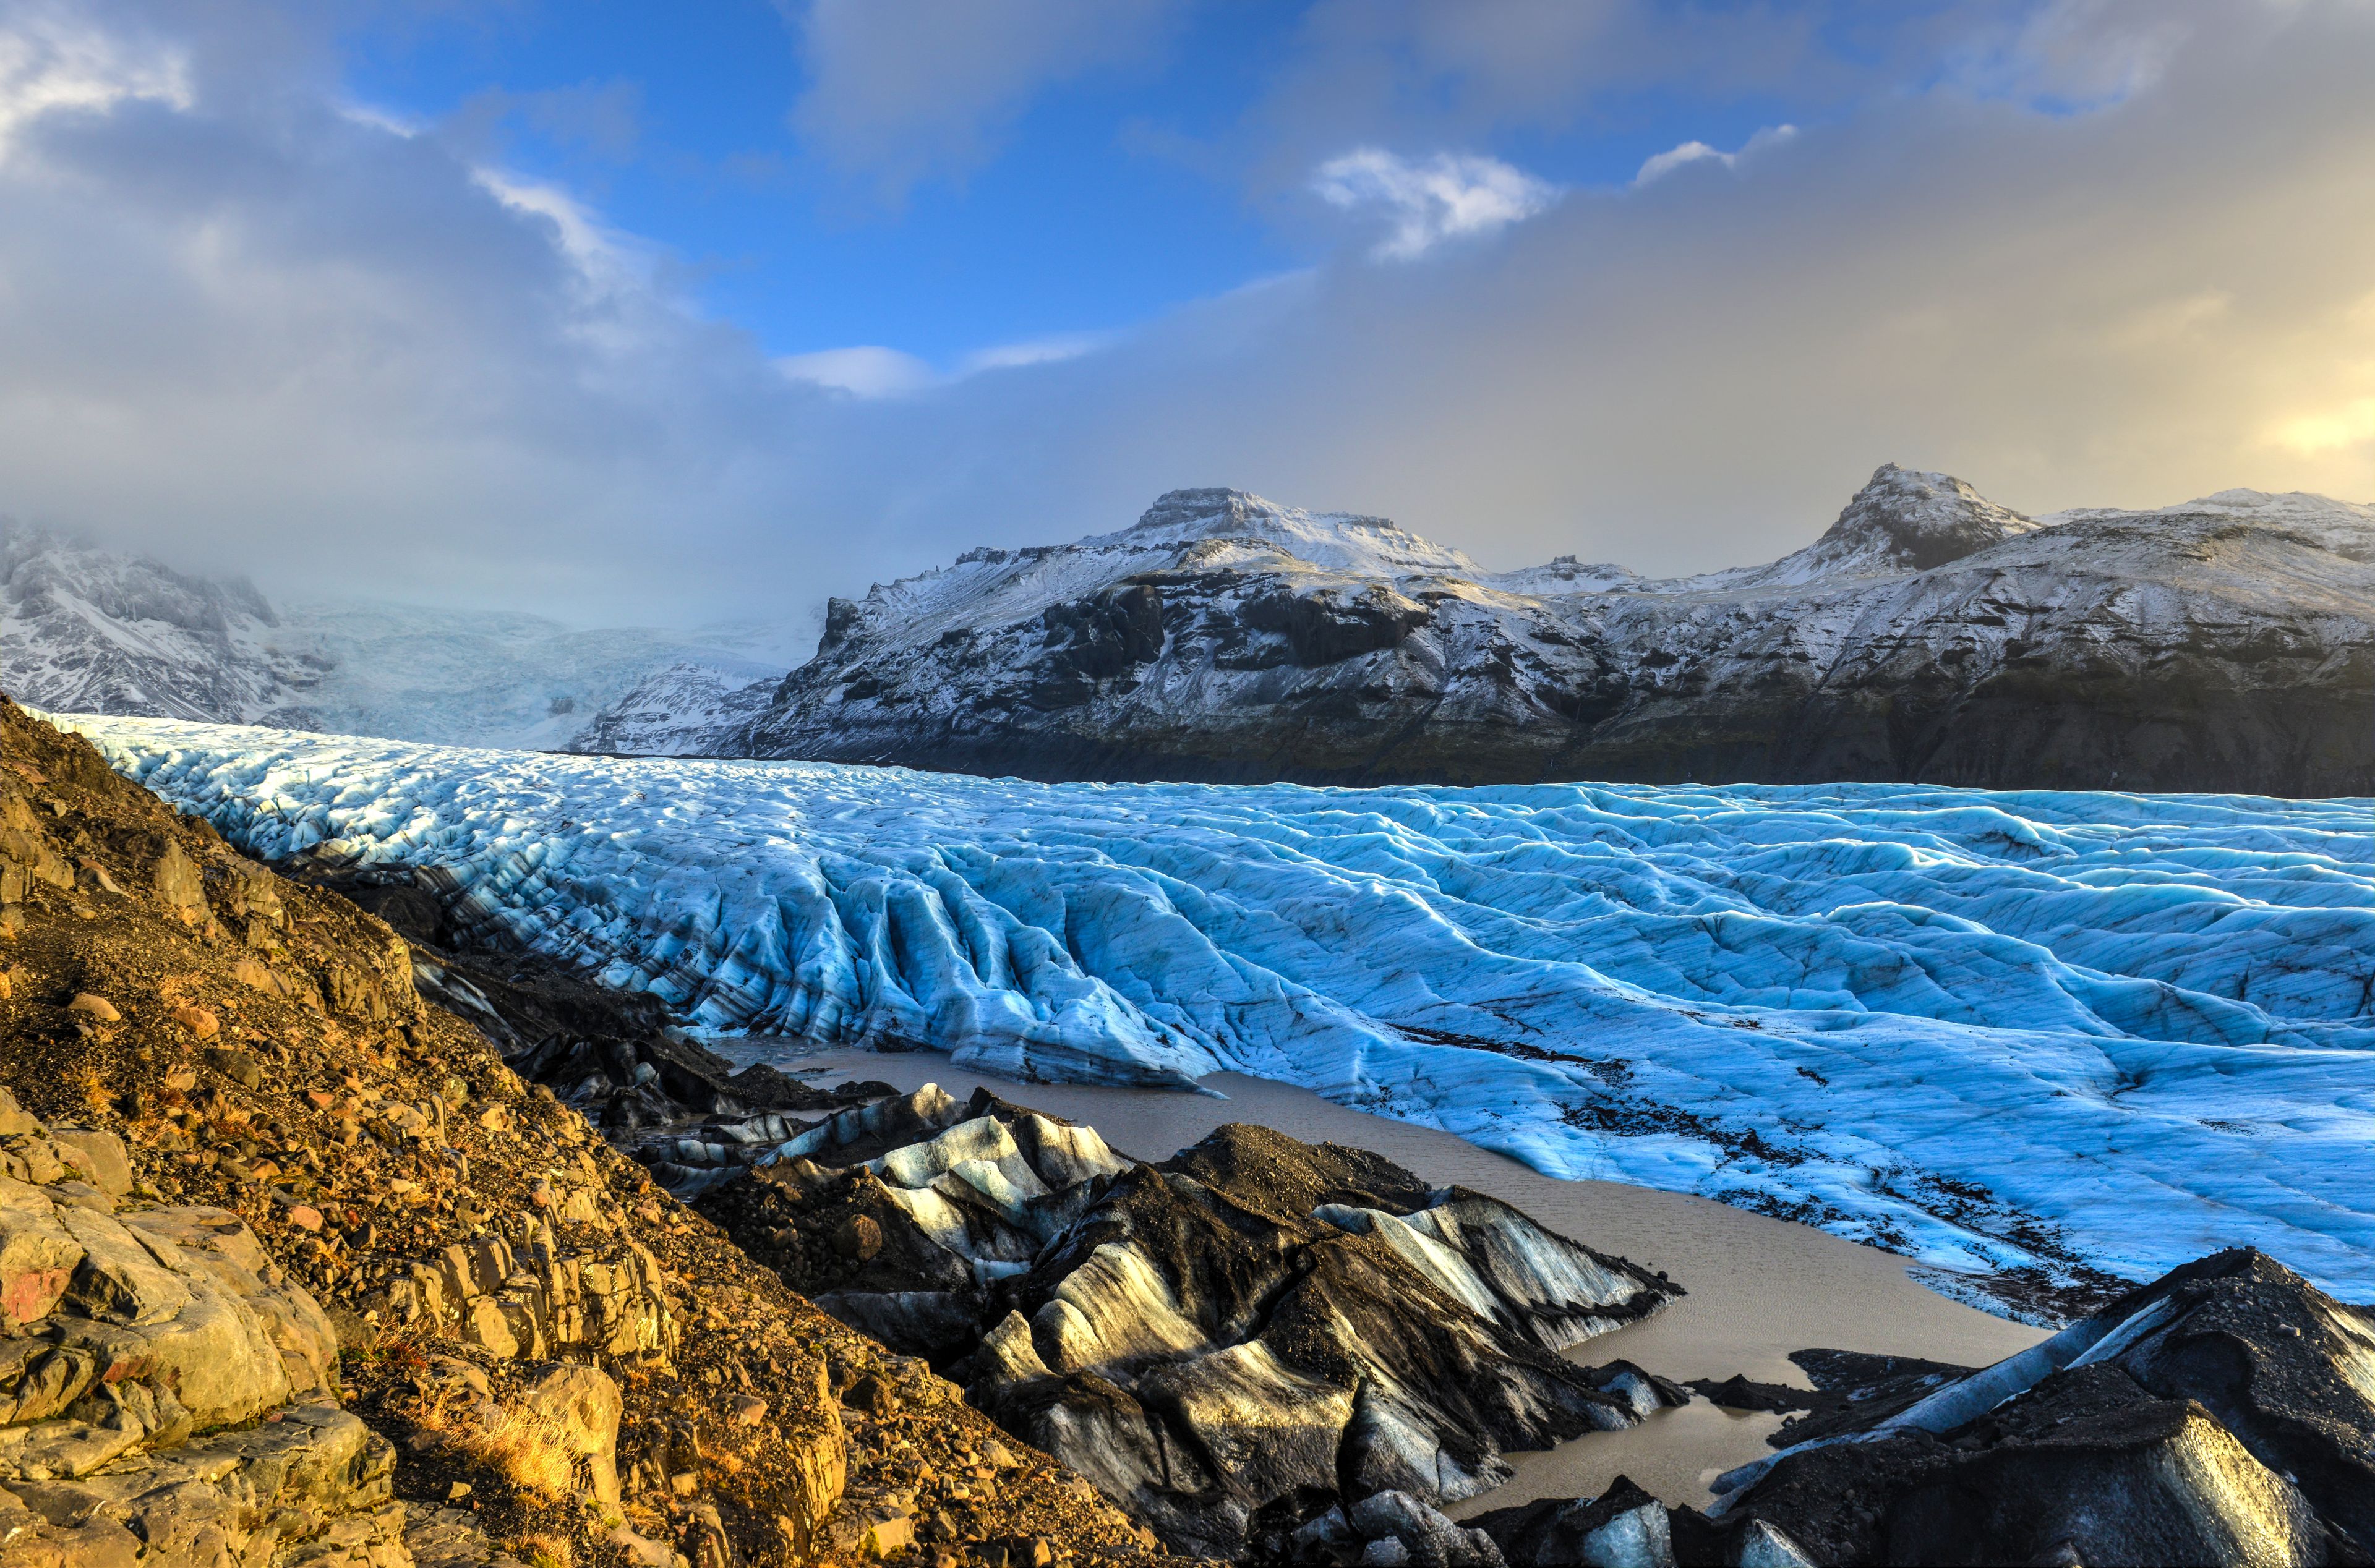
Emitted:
pixel 1248 1345
pixel 1930 635
pixel 2225 1413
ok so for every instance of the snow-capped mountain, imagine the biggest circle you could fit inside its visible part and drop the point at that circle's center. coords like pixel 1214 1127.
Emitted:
pixel 94 631
pixel 2222 645
pixel 685 709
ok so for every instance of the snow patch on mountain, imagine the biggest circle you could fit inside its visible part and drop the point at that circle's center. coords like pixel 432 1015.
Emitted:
pixel 2345 527
pixel 685 709
pixel 1991 1029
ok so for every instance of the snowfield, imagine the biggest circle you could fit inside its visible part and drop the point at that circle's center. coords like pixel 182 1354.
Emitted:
pixel 1994 1030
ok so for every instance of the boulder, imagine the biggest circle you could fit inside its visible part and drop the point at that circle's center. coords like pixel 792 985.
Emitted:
pixel 39 1256
pixel 2222 1413
pixel 1412 1532
pixel 580 1406
pixel 100 1156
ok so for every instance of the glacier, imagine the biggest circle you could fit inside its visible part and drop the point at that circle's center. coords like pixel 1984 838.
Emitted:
pixel 2064 1034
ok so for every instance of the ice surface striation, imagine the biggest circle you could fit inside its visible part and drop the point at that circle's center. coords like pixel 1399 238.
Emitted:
pixel 1994 1030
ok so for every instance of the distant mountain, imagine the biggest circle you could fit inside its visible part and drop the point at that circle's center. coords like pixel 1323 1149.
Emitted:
pixel 2226 644
pixel 83 630
pixel 89 629
pixel 685 709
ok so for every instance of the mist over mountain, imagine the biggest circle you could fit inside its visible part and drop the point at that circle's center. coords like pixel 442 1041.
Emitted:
pixel 85 629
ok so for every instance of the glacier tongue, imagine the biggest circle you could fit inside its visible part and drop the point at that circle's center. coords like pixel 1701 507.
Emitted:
pixel 1989 1029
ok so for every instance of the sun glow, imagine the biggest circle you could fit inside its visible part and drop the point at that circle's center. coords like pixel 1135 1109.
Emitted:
pixel 2352 424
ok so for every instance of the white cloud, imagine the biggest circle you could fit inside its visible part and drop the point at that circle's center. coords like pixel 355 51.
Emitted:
pixel 52 60
pixel 872 372
pixel 1659 165
pixel 1444 198
pixel 865 372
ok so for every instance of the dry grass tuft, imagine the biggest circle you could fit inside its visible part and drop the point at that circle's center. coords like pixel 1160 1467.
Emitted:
pixel 92 1091
pixel 548 1552
pixel 525 1448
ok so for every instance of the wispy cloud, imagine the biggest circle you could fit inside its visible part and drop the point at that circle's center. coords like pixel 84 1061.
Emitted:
pixel 604 257
pixel 2073 55
pixel 1659 165
pixel 867 370
pixel 871 370
pixel 1426 202
pixel 1034 351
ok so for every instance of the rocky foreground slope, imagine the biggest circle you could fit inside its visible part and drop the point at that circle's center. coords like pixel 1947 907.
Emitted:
pixel 295 1269
pixel 2226 644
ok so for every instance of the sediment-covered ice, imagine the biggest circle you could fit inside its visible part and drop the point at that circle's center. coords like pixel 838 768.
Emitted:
pixel 1991 1029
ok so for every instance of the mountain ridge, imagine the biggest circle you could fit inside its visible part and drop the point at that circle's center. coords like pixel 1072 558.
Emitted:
pixel 1929 635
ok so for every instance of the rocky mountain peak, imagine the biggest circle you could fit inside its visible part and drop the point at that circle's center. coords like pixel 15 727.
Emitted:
pixel 1220 512
pixel 1913 520
pixel 1210 510
pixel 1335 541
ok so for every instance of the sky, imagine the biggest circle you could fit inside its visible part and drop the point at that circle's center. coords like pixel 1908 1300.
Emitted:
pixel 633 312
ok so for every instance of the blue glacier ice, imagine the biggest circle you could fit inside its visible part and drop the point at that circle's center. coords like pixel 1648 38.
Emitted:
pixel 1988 1029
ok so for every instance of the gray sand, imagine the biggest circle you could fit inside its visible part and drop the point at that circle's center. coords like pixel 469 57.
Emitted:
pixel 1759 1288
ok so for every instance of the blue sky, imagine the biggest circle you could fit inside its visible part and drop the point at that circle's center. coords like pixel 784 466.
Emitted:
pixel 1095 203
pixel 1077 226
pixel 663 313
